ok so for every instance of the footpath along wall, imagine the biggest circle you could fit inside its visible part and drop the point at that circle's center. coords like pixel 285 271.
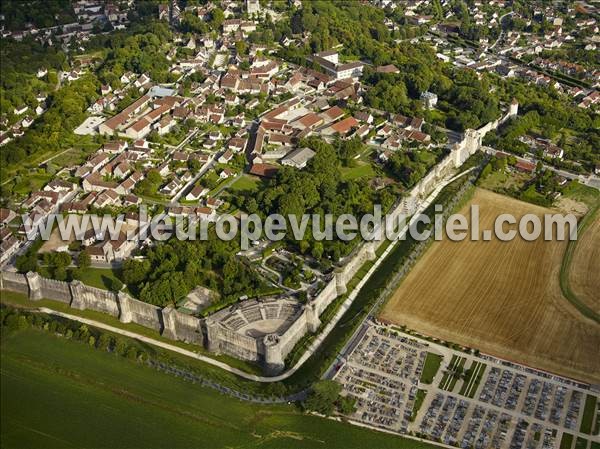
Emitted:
pixel 168 321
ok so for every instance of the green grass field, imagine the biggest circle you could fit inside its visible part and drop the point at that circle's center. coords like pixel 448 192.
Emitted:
pixel 61 393
pixel 567 441
pixel 361 170
pixel 420 397
pixel 19 300
pixel 588 414
pixel 245 183
pixel 450 377
pixel 431 367
pixel 473 379
pixel 582 193
pixel 100 277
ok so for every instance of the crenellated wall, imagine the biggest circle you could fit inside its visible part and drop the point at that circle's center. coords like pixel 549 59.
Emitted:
pixel 57 290
pixel 84 297
pixel 179 326
pixel 120 305
pixel 15 282
pixel 325 296
pixel 144 314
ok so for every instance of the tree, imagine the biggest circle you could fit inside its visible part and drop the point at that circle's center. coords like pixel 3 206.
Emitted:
pixel 241 48
pixel 323 397
pixel 120 346
pixel 317 250
pixel 135 271
pixel 131 353
pixel 104 342
pixel 347 405
pixel 60 274
pixel 216 18
pixel 84 260
pixel 27 262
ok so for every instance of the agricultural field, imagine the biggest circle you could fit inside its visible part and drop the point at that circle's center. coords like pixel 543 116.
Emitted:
pixel 583 274
pixel 61 393
pixel 503 298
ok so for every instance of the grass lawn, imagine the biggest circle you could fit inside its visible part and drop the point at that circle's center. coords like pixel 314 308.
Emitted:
pixel 500 181
pixel 582 193
pixel 581 443
pixel 431 367
pixel 31 183
pixel 450 378
pixel 61 393
pixel 100 277
pixel 567 441
pixel 588 414
pixel 472 380
pixel 361 170
pixel 420 397
pixel 245 183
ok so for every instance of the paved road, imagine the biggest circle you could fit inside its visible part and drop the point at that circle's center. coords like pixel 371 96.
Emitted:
pixel 187 187
pixel 501 31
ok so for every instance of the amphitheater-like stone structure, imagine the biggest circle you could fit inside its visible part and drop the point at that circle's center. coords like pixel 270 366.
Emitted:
pixel 259 331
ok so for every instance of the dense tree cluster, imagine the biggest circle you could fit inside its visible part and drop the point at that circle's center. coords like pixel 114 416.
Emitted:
pixel 317 189
pixel 19 85
pixel 325 398
pixel 40 13
pixel 410 166
pixel 172 269
pixel 54 129
pixel 142 49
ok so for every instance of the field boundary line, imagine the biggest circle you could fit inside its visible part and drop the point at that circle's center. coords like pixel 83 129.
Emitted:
pixel 565 284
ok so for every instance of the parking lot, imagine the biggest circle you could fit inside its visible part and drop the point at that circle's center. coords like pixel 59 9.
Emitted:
pixel 513 406
pixel 383 373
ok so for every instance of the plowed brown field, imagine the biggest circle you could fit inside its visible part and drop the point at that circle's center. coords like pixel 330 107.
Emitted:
pixel 501 297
